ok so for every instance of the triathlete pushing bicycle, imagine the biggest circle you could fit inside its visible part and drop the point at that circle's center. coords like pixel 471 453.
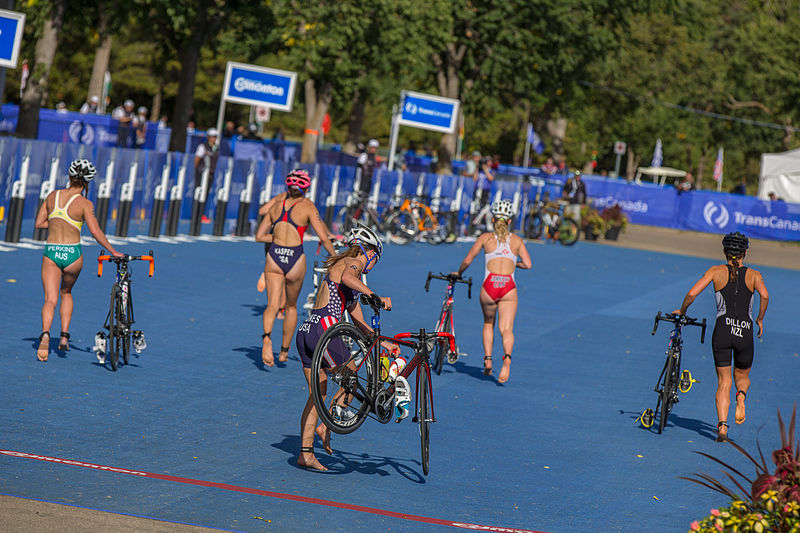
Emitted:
pixel 283 227
pixel 63 214
pixel 340 290
pixel 499 292
pixel 734 285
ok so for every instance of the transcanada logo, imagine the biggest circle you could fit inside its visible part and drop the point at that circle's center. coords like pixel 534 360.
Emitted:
pixel 631 207
pixel 716 215
pixel 244 84
pixel 772 221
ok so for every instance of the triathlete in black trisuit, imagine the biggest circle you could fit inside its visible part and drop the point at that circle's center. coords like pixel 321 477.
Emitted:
pixel 734 286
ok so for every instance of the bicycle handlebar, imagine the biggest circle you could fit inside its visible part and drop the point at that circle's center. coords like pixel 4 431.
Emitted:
pixel 682 320
pixel 124 259
pixel 423 336
pixel 450 278
pixel 374 301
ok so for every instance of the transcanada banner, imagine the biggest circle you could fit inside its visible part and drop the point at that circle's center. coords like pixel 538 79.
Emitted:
pixel 253 85
pixel 705 211
pixel 428 112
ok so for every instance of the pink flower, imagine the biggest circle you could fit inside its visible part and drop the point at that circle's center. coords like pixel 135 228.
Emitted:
pixel 715 512
pixel 695 526
pixel 718 525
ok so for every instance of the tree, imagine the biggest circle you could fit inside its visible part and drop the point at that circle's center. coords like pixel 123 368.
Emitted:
pixel 36 91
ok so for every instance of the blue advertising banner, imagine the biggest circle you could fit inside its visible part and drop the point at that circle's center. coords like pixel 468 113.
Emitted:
pixel 253 85
pixel 11 26
pixel 429 112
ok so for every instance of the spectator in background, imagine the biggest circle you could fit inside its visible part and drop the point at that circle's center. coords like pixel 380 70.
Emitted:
pixel 367 161
pixel 252 133
pixel 741 188
pixel 686 184
pixel 125 115
pixel 92 107
pixel 162 122
pixel 549 167
pixel 190 127
pixel 774 197
pixel 574 192
pixel 61 107
pixel 495 162
pixel 205 157
pixel 141 127
pixel 277 144
pixel 563 168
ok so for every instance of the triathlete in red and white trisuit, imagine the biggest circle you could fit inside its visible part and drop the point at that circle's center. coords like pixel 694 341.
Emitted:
pixel 499 292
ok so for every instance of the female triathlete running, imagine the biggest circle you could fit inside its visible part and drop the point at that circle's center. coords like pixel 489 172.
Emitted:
pixel 283 226
pixel 734 285
pixel 498 292
pixel 63 213
pixel 340 290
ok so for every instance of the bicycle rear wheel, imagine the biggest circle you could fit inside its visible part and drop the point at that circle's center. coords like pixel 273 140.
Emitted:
pixel 667 392
pixel 402 226
pixel 125 320
pixel 534 227
pixel 344 378
pixel 113 333
pixel 568 232
pixel 423 416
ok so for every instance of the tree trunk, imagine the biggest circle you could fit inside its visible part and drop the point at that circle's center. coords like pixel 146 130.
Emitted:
pixel 103 53
pixel 35 95
pixel 557 128
pixel 633 164
pixel 155 107
pixel 355 121
pixel 317 103
pixel 189 58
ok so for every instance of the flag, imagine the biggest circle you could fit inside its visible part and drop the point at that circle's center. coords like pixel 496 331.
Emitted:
pixel 534 139
pixel 23 81
pixel 658 157
pixel 718 167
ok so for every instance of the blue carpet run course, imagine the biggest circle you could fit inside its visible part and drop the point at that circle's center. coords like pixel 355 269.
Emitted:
pixel 557 448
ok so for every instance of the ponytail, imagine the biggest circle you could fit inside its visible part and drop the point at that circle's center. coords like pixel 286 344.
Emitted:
pixel 80 182
pixel 733 269
pixel 501 229
pixel 353 251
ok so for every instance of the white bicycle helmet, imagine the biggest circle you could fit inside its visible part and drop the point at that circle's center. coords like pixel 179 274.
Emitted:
pixel 82 168
pixel 364 236
pixel 502 209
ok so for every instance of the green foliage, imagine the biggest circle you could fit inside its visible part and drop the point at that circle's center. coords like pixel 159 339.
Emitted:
pixel 770 501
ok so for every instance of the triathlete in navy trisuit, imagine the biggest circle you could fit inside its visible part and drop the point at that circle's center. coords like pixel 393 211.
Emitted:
pixel 499 292
pixel 339 292
pixel 283 226
pixel 734 286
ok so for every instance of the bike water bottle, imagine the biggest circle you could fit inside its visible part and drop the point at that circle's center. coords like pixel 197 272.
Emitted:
pixel 385 365
pixel 396 367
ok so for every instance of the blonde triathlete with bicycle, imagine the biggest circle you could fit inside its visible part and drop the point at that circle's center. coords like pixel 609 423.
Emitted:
pixel 499 292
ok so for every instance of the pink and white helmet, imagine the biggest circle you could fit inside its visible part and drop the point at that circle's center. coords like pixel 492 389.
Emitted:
pixel 298 178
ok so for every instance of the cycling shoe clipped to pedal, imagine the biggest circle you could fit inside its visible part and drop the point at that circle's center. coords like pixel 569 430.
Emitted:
pixel 139 343
pixel 402 397
pixel 100 346
pixel 686 381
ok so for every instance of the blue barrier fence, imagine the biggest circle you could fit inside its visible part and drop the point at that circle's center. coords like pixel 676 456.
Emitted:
pixel 644 203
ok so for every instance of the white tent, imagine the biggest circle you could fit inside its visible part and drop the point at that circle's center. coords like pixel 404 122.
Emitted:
pixel 780 173
pixel 658 172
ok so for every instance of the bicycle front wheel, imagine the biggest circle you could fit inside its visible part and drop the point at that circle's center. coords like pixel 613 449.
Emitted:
pixel 402 227
pixel 667 392
pixel 441 348
pixel 568 232
pixel 423 416
pixel 344 378
pixel 113 331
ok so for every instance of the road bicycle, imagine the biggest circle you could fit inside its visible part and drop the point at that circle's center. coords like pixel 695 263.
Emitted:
pixel 120 314
pixel 354 386
pixel 672 379
pixel 445 322
pixel 548 221
pixel 480 217
pixel 414 219
pixel 357 210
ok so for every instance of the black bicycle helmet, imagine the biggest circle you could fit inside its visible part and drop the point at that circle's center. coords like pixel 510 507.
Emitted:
pixel 82 168
pixel 735 244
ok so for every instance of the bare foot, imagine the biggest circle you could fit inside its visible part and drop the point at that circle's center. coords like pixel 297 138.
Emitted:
pixel 740 410
pixel 325 435
pixel 262 283
pixel 44 348
pixel 487 365
pixel 267 357
pixel 307 460
pixel 283 355
pixel 506 370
